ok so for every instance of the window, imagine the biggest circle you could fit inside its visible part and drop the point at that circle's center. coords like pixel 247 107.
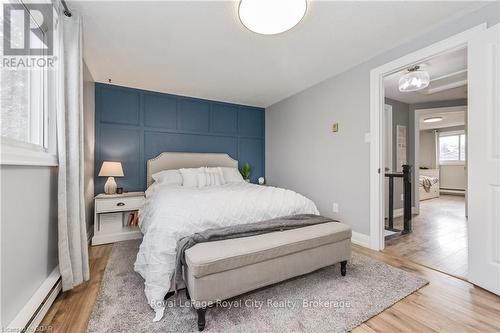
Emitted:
pixel 27 123
pixel 23 112
pixel 452 147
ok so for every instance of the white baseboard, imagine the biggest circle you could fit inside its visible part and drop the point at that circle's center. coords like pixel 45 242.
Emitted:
pixel 44 308
pixel 37 306
pixel 452 192
pixel 360 239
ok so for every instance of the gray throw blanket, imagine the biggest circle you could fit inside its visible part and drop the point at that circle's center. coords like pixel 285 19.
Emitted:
pixel 242 230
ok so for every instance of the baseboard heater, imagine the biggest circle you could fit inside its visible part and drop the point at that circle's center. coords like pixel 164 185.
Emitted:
pixel 32 314
pixel 452 191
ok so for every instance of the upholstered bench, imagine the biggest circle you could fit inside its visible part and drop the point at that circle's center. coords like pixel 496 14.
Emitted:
pixel 223 269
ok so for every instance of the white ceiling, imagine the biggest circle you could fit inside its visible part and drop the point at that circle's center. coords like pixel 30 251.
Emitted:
pixel 450 119
pixel 201 49
pixel 446 71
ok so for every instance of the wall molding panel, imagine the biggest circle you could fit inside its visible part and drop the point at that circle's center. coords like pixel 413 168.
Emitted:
pixel 134 125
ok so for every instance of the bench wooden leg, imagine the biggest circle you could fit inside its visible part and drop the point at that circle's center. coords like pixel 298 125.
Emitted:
pixel 201 318
pixel 343 267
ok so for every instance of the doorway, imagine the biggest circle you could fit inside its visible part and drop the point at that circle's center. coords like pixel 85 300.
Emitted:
pixel 438 154
pixel 483 164
pixel 427 131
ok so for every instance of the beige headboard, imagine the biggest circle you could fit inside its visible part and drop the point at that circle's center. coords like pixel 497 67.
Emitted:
pixel 173 160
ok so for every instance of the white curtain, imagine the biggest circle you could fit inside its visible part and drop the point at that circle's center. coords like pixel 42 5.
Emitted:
pixel 73 252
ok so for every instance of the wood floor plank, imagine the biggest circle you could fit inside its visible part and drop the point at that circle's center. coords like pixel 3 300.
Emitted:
pixel 439 237
pixel 72 309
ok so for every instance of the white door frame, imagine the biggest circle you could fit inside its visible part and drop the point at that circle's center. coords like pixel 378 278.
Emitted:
pixel 388 162
pixel 388 127
pixel 376 122
pixel 416 144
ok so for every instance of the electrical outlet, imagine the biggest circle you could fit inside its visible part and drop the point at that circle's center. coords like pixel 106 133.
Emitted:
pixel 335 207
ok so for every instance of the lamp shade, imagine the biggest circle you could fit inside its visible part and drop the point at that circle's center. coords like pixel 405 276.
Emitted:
pixel 111 169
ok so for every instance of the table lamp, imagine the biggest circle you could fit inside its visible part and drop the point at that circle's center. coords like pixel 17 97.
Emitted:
pixel 111 170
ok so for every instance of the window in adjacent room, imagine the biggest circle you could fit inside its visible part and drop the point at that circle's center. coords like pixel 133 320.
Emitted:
pixel 452 147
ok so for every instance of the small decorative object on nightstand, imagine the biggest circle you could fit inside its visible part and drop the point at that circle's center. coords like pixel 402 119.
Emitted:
pixel 115 217
pixel 111 170
pixel 261 180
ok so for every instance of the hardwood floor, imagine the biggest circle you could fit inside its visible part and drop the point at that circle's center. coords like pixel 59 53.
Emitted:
pixel 447 304
pixel 71 311
pixel 439 237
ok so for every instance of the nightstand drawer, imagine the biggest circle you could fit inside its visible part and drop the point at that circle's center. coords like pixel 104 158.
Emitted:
pixel 118 204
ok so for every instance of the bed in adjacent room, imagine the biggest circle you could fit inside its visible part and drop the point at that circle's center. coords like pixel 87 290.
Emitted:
pixel 181 200
pixel 428 184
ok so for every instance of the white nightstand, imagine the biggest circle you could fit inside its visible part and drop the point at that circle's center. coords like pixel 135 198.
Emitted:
pixel 111 214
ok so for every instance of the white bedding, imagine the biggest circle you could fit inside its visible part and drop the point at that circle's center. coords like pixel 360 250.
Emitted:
pixel 172 212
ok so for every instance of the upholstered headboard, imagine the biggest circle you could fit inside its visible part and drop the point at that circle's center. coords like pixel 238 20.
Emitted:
pixel 174 160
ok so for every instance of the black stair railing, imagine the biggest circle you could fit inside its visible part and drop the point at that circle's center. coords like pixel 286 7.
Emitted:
pixel 406 175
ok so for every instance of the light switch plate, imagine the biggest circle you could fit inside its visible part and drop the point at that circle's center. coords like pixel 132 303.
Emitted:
pixel 335 207
pixel 335 127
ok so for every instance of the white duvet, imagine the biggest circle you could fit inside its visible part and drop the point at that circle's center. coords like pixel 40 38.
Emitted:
pixel 172 212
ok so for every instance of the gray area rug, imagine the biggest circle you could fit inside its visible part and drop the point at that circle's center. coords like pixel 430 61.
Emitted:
pixel 322 301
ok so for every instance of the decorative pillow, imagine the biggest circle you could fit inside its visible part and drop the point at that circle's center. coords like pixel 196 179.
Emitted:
pixel 201 178
pixel 189 176
pixel 168 177
pixel 232 175
pixel 210 177
pixel 214 176
pixel 221 176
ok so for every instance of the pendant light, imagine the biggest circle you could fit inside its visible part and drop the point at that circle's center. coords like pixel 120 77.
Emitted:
pixel 414 80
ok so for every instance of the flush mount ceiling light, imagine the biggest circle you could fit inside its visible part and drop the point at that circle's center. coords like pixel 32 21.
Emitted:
pixel 433 119
pixel 414 80
pixel 270 17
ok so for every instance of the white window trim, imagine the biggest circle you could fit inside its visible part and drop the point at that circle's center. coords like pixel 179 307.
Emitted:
pixel 20 153
pixel 449 133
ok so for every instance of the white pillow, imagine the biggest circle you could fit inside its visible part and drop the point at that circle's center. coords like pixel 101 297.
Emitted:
pixel 168 177
pixel 211 177
pixel 221 175
pixel 215 175
pixel 189 176
pixel 201 178
pixel 232 175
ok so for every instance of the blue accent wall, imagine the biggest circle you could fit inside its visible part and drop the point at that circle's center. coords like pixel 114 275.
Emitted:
pixel 135 125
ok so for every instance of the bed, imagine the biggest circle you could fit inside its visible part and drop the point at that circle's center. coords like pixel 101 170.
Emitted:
pixel 428 184
pixel 173 212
